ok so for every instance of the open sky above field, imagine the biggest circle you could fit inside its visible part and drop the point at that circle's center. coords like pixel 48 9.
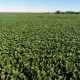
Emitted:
pixel 39 5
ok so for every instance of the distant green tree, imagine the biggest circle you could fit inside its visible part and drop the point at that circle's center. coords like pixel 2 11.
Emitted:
pixel 57 12
pixel 67 12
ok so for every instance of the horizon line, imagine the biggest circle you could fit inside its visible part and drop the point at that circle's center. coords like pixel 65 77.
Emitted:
pixel 35 11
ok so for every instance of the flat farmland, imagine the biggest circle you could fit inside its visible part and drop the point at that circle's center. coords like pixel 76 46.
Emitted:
pixel 39 46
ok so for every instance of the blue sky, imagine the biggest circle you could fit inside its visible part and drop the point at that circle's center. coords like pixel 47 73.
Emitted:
pixel 39 5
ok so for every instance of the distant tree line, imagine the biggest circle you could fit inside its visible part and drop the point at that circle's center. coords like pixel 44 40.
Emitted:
pixel 67 12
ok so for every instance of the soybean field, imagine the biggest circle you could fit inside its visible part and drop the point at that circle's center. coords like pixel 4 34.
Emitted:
pixel 39 46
